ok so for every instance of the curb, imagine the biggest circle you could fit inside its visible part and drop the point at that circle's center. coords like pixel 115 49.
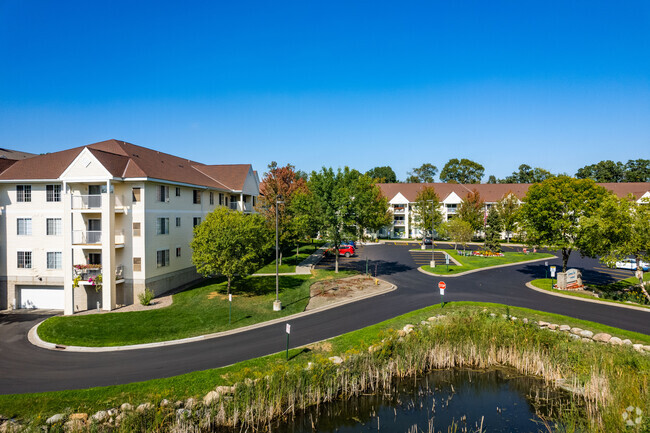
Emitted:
pixel 485 269
pixel 579 298
pixel 33 337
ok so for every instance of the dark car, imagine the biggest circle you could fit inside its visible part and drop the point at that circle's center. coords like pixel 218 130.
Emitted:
pixel 427 241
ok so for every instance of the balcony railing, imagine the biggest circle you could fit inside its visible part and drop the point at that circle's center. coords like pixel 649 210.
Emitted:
pixel 86 237
pixel 399 210
pixel 119 272
pixel 451 210
pixel 399 223
pixel 248 207
pixel 119 201
pixel 88 273
pixel 86 201
pixel 119 236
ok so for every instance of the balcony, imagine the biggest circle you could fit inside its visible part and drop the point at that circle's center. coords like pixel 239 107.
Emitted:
pixel 119 237
pixel 451 210
pixel 399 223
pixel 399 210
pixel 86 237
pixel 88 273
pixel 86 202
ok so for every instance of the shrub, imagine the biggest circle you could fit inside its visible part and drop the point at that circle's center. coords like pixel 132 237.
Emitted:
pixel 146 297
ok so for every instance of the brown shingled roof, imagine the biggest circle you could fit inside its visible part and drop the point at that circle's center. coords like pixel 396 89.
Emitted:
pixel 15 155
pixel 494 192
pixel 127 160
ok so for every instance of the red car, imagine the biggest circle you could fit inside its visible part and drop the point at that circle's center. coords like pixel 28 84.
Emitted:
pixel 344 250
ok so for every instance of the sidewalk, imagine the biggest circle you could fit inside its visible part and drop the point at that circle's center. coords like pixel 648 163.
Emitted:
pixel 304 267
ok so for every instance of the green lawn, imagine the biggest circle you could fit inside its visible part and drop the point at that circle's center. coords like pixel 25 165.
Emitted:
pixel 470 262
pixel 290 260
pixel 607 292
pixel 197 384
pixel 200 310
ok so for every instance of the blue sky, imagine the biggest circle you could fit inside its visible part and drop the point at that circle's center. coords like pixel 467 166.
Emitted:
pixel 553 84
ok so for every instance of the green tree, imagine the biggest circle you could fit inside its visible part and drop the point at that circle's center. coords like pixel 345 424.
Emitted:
pixel 383 174
pixel 604 171
pixel 618 229
pixel 637 170
pixel 508 209
pixel 427 212
pixel 493 231
pixel 527 174
pixel 472 210
pixel 345 203
pixel 552 211
pixel 463 171
pixel 284 182
pixel 425 173
pixel 458 231
pixel 229 243
pixel 492 179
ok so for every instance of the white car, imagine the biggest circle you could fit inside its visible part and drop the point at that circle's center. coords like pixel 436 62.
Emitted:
pixel 631 265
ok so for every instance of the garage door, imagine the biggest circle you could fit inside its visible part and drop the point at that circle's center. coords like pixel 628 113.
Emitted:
pixel 50 297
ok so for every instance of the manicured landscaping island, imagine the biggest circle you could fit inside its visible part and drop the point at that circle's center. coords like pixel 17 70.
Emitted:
pixel 197 311
pixel 626 291
pixel 604 378
pixel 469 262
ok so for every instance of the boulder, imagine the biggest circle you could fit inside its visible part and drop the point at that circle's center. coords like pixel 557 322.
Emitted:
pixel 183 414
pixel 627 342
pixel 112 412
pixel 576 331
pixel 638 347
pixel 586 334
pixel 79 416
pixel 646 348
pixel 602 337
pixel 615 341
pixel 525 320
pixel 564 328
pixel 190 403
pixel 222 389
pixel 74 425
pixel 423 322
pixel 432 319
pixel 513 318
pixel 574 336
pixel 164 402
pixel 178 403
pixel 543 324
pixel 126 407
pixel 211 397
pixel 401 333
pixel 408 328
pixel 100 416
pixel 493 315
pixel 144 407
pixel 336 359
pixel 586 340
pixel 59 417
pixel 553 326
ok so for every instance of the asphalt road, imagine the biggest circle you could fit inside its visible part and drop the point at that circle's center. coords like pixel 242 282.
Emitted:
pixel 26 368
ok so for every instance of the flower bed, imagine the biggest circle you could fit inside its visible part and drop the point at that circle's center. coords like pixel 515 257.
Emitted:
pixel 486 254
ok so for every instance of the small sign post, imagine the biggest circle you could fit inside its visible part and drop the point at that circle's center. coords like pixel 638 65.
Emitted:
pixel 442 286
pixel 288 332
pixel 552 275
pixel 546 270
pixel 447 262
pixel 229 308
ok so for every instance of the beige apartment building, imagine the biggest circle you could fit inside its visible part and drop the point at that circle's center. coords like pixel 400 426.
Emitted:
pixel 402 200
pixel 95 225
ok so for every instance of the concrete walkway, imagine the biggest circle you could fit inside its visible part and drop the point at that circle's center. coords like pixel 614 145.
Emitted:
pixel 305 267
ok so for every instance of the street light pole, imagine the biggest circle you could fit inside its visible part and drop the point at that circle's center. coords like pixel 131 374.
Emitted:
pixel 277 305
pixel 433 259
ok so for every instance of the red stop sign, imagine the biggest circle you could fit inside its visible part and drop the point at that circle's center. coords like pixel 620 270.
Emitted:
pixel 442 285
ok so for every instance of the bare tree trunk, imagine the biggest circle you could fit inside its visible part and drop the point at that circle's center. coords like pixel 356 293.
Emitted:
pixel 228 286
pixel 280 260
pixel 566 252
pixel 336 260
pixel 297 253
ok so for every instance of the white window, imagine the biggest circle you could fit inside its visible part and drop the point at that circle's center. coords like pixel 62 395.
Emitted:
pixel 136 194
pixel 24 259
pixel 220 199
pixel 137 264
pixel 211 198
pixel 196 196
pixel 197 221
pixel 178 221
pixel 163 193
pixel 178 251
pixel 24 193
pixel 178 192
pixel 162 258
pixel 55 260
pixel 136 229
pixel 53 227
pixel 24 226
pixel 162 226
pixel 53 192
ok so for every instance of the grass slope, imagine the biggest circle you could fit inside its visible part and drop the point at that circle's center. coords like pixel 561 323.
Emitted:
pixel 200 310
pixel 471 262
pixel 290 260
pixel 574 356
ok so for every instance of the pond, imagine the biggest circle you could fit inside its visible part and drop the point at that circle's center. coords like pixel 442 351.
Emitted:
pixel 446 400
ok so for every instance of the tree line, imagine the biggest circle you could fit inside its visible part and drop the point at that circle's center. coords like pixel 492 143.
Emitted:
pixel 467 171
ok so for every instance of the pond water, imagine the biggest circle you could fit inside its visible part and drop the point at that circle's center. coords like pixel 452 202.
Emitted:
pixel 447 400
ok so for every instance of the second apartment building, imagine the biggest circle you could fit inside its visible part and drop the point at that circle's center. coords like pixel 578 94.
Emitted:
pixel 112 215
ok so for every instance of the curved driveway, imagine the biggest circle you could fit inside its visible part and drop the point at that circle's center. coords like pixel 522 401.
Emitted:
pixel 26 368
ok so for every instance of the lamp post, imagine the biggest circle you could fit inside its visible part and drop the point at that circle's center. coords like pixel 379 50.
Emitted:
pixel 277 305
pixel 433 260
